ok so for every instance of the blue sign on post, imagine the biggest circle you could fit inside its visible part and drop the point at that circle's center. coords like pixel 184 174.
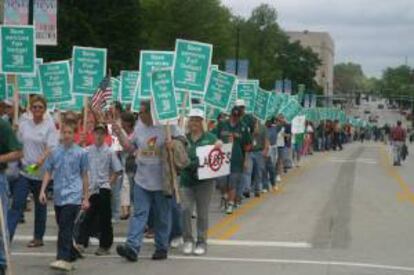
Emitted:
pixel 279 86
pixel 243 68
pixel 287 86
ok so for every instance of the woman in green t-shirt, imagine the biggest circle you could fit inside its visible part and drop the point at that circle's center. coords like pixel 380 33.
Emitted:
pixel 194 191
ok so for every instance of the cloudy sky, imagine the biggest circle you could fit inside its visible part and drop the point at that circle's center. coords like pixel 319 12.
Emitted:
pixel 373 33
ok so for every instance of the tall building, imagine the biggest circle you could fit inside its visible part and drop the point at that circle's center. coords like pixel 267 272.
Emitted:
pixel 322 44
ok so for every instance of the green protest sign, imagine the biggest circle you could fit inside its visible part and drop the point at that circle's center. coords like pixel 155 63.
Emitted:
pixel 290 110
pixel 247 90
pixel 151 61
pixel 3 87
pixel 191 65
pixel 232 101
pixel 219 89
pixel 261 104
pixel 275 101
pixel 89 68
pixel 116 88
pixel 55 81
pixel 180 96
pixel 136 99
pixel 211 112
pixel 129 81
pixel 28 84
pixel 18 50
pixel 76 104
pixel 9 91
pixel 162 87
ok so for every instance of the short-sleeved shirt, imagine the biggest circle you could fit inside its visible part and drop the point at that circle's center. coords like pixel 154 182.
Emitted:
pixel 189 174
pixel 102 163
pixel 259 139
pixel 272 134
pixel 8 142
pixel 67 165
pixel 36 138
pixel 150 141
pixel 249 121
pixel 241 138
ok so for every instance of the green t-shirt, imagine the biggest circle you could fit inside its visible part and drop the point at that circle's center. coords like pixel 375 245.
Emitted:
pixel 249 121
pixel 259 139
pixel 299 139
pixel 8 141
pixel 188 175
pixel 241 138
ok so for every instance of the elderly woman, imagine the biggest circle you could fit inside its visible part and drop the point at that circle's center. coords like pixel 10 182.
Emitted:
pixel 39 136
pixel 194 191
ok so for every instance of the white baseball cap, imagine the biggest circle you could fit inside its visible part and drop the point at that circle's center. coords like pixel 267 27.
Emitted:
pixel 8 102
pixel 240 103
pixel 196 113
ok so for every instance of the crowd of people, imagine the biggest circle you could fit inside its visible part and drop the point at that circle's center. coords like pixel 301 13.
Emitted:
pixel 120 165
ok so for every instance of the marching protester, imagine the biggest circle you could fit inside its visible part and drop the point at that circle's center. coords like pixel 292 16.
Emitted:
pixel 10 150
pixel 398 137
pixel 39 136
pixel 259 153
pixel 270 162
pixel 68 163
pixel 233 131
pixel 196 192
pixel 104 169
pixel 150 189
pixel 280 143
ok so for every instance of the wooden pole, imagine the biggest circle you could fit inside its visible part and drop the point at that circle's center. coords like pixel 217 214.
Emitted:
pixel 85 113
pixel 171 165
pixel 15 101
pixel 183 104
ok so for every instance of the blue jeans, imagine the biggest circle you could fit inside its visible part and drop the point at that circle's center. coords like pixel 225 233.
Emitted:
pixel 161 206
pixel 258 170
pixel 247 174
pixel 20 193
pixel 4 201
pixel 116 199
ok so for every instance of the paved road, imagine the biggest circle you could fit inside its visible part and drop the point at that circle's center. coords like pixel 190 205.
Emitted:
pixel 347 212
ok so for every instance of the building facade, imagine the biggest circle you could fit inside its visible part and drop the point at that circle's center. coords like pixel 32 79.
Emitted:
pixel 322 44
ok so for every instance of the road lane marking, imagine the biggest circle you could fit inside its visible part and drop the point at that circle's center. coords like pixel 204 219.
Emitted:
pixel 225 223
pixel 406 194
pixel 245 260
pixel 358 160
pixel 214 242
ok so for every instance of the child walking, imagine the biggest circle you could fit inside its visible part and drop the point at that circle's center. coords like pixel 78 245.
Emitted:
pixel 69 165
pixel 104 169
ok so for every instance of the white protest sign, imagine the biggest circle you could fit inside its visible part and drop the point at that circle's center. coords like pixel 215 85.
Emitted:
pixel 298 125
pixel 214 162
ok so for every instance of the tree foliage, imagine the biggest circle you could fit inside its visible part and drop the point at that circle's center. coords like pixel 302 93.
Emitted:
pixel 126 26
pixel 348 77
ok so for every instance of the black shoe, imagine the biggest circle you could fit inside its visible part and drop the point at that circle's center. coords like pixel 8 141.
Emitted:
pixel 257 194
pixel 246 194
pixel 127 252
pixel 159 255
pixel 2 270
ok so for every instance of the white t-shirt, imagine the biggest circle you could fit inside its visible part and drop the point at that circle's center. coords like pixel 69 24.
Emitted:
pixel 281 138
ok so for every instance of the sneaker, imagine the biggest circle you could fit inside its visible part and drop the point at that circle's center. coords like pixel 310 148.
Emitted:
pixel 200 249
pixel 188 248
pixel 257 194
pixel 264 190
pixel 176 242
pixel 223 204
pixel 278 178
pixel 61 265
pixel 160 255
pixel 127 252
pixel 102 251
pixel 230 209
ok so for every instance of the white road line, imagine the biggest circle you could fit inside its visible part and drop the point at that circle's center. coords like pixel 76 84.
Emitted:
pixel 248 260
pixel 366 161
pixel 247 243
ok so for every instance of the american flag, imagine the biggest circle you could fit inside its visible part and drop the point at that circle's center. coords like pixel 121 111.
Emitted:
pixel 103 94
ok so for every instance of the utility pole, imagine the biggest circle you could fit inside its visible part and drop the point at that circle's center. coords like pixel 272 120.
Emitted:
pixel 236 69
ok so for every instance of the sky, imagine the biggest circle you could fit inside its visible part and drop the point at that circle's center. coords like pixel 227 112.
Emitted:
pixel 374 33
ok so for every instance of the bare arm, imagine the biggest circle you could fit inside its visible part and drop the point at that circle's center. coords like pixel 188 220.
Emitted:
pixel 114 177
pixel 45 183
pixel 12 156
pixel 85 187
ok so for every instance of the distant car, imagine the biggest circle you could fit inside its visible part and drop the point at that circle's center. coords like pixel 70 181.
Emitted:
pixel 367 111
pixel 381 106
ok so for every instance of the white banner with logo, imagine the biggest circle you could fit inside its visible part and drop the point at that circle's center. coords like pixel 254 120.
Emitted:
pixel 214 162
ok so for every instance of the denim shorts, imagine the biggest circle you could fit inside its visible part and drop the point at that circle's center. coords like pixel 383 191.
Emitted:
pixel 230 182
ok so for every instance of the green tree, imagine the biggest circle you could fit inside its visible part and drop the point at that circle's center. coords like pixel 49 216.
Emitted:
pixel 115 25
pixel 348 77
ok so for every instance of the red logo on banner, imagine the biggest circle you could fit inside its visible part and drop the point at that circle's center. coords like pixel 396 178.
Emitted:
pixel 215 159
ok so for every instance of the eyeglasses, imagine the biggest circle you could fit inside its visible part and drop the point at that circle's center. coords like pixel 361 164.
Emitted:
pixel 37 107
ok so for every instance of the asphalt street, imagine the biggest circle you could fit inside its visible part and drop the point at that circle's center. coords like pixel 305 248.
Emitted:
pixel 347 212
